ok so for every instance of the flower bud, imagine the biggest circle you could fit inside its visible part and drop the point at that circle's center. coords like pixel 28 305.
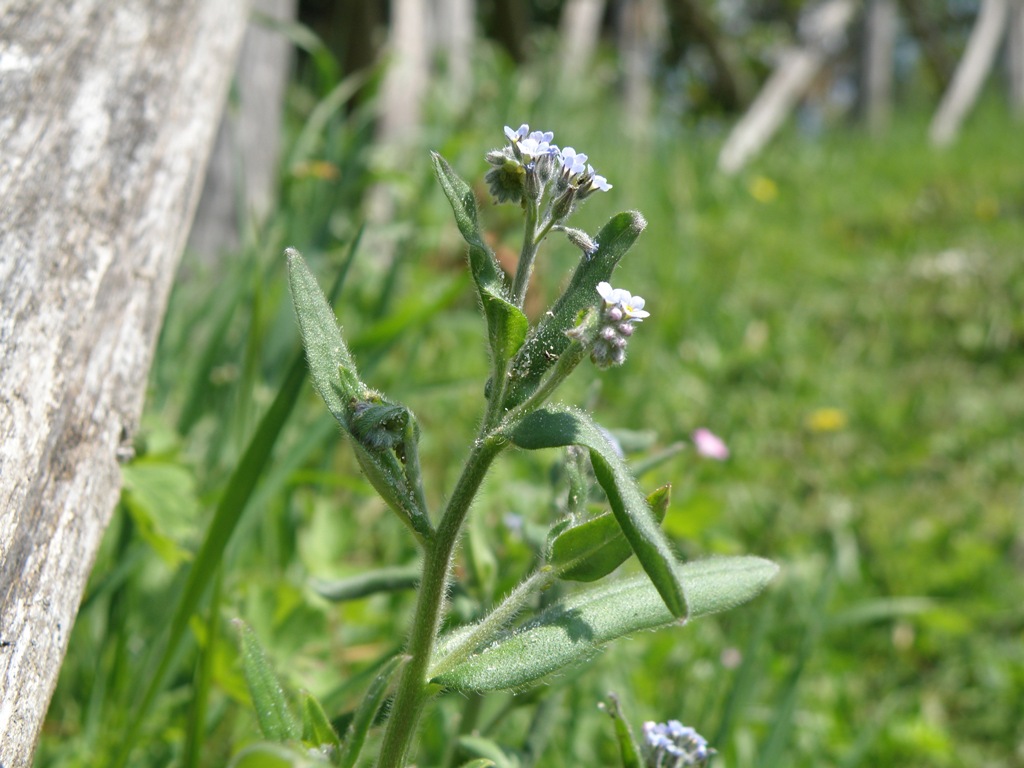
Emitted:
pixel 562 206
pixel 581 240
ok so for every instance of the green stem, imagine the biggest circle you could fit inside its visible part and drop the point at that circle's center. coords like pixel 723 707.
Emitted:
pixel 526 257
pixel 466 642
pixel 568 361
pixel 412 692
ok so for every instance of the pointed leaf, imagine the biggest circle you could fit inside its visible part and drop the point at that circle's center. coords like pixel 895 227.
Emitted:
pixel 355 736
pixel 480 762
pixel 557 426
pixel 272 711
pixel 629 750
pixel 549 341
pixel 335 377
pixel 316 726
pixel 506 323
pixel 574 629
pixel 331 366
pixel 596 547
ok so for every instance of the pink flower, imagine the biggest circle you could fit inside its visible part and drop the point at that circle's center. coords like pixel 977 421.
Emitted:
pixel 709 445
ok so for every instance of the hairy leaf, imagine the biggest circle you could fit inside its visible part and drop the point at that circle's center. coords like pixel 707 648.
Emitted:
pixel 272 710
pixel 574 629
pixel 556 426
pixel 596 547
pixel 506 323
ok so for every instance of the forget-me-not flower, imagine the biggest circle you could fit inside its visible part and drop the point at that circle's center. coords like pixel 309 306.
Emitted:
pixel 674 745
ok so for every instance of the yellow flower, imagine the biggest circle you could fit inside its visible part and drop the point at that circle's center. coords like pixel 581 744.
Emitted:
pixel 826 420
pixel 763 189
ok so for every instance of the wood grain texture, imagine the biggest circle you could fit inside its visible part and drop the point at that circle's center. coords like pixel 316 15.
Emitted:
pixel 107 115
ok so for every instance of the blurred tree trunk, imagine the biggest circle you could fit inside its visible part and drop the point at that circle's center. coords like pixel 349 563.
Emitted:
pixel 113 110
pixel 732 87
pixel 822 32
pixel 982 46
pixel 242 175
pixel 641 37
pixel 1015 58
pixel 929 35
pixel 579 30
pixel 879 46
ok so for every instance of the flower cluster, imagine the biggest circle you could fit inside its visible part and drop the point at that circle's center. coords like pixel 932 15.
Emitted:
pixel 531 163
pixel 674 745
pixel 621 311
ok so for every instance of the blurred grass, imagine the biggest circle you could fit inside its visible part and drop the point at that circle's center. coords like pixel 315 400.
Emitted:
pixel 846 314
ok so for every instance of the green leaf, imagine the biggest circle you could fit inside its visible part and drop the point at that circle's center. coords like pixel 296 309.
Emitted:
pixel 480 762
pixel 506 323
pixel 316 726
pixel 391 579
pixel 487 750
pixel 272 711
pixel 596 547
pixel 629 751
pixel 335 377
pixel 331 366
pixel 276 756
pixel 549 341
pixel 556 426
pixel 574 629
pixel 161 498
pixel 355 736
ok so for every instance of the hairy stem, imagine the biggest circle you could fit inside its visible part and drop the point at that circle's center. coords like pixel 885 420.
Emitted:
pixel 526 257
pixel 413 691
pixel 488 627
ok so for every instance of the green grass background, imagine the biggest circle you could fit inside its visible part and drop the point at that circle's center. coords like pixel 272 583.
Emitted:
pixel 846 314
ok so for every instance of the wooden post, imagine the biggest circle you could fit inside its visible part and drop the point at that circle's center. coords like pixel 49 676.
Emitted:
pixel 975 64
pixel 241 178
pixel 641 35
pixel 109 113
pixel 579 29
pixel 1015 58
pixel 879 47
pixel 455 38
pixel 822 32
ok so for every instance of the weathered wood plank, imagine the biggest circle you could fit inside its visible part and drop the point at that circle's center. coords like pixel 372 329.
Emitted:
pixel 975 64
pixel 107 115
pixel 822 31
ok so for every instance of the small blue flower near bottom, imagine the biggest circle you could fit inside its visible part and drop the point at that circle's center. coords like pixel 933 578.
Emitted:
pixel 674 745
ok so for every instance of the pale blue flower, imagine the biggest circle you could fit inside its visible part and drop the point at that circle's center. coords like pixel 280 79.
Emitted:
pixel 515 136
pixel 631 307
pixel 531 145
pixel 597 181
pixel 674 745
pixel 532 148
pixel 573 163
